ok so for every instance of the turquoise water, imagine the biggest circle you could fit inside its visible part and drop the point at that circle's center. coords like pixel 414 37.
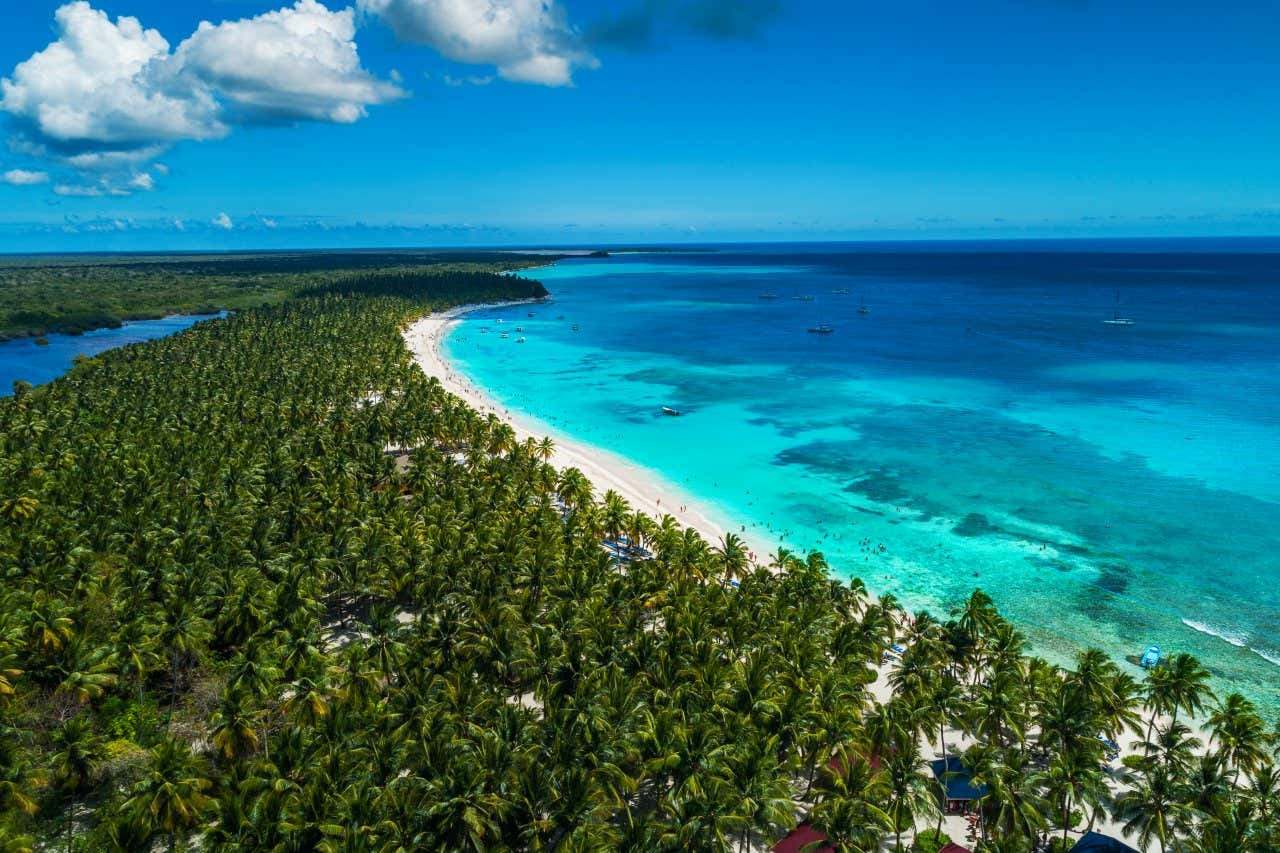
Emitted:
pixel 1113 486
pixel 24 360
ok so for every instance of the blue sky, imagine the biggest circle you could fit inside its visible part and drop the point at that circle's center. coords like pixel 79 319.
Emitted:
pixel 428 122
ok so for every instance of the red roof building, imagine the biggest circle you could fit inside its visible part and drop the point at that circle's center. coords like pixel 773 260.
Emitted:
pixel 797 838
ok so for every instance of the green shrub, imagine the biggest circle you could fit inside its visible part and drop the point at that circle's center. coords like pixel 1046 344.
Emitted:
pixel 930 841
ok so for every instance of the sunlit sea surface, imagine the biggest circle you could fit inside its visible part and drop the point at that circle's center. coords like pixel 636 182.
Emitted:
pixel 1108 485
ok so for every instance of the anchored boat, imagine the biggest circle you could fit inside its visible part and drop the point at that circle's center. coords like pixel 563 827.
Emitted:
pixel 1116 319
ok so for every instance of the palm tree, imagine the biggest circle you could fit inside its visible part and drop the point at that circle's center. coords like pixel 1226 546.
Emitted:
pixel 1239 734
pixel 79 753
pixel 911 795
pixel 1179 683
pixel 731 555
pixel 851 805
pixel 235 734
pixel 1154 808
pixel 173 796
pixel 1074 778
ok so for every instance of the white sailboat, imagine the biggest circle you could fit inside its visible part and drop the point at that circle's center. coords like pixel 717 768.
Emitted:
pixel 1116 319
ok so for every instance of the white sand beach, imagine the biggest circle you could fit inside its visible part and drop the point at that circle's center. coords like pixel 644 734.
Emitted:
pixel 642 488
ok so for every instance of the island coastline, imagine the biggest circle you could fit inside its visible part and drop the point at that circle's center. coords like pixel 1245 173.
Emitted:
pixel 645 490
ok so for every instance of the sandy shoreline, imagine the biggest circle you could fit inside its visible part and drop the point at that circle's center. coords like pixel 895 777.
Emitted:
pixel 642 488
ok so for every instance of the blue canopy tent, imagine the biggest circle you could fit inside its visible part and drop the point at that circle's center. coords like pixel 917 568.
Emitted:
pixel 1096 842
pixel 957 783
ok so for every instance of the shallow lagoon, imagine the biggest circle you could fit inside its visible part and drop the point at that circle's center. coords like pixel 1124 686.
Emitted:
pixel 23 359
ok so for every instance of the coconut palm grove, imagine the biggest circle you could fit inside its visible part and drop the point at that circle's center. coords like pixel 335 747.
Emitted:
pixel 269 587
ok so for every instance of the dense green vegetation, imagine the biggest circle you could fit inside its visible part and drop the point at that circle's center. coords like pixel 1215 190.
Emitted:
pixel 233 613
pixel 70 294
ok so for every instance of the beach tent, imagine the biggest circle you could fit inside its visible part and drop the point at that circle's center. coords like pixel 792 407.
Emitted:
pixel 795 840
pixel 957 783
pixel 1096 842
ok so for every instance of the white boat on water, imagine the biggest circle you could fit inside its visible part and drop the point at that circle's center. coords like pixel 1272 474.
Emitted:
pixel 520 340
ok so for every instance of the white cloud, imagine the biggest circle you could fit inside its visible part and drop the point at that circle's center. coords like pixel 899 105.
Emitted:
pixel 108 185
pixel 222 221
pixel 109 96
pixel 79 190
pixel 472 80
pixel 105 85
pixel 529 41
pixel 296 63
pixel 24 178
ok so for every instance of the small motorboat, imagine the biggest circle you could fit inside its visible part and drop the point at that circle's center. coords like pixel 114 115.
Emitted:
pixel 530 313
pixel 667 410
pixel 520 340
pixel 821 329
pixel 505 335
pixel 1150 658
pixel 499 319
pixel 803 298
pixel 768 296
pixel 842 291
pixel 484 330
pixel 575 327
pixel 519 328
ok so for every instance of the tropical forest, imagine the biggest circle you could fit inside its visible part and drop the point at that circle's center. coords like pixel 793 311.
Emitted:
pixel 266 586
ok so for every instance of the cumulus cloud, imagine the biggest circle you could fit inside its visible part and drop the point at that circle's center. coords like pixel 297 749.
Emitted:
pixel 108 96
pixel 294 64
pixel 105 86
pixel 528 41
pixel 222 221
pixel 24 178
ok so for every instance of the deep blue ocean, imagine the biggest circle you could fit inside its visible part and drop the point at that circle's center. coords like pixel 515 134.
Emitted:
pixel 978 426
